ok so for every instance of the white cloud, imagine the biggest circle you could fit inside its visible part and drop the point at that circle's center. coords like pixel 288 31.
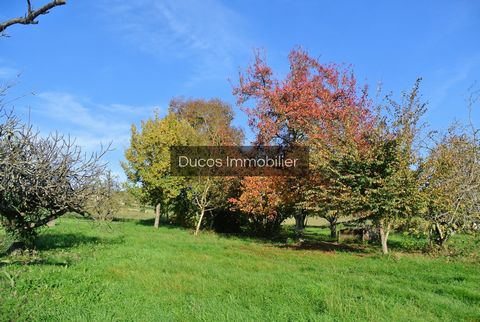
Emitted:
pixel 205 31
pixel 91 124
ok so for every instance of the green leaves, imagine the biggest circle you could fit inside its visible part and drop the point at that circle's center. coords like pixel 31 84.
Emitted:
pixel 148 157
pixel 189 123
pixel 450 177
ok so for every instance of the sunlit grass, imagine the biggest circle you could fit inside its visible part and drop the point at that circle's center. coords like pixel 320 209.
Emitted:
pixel 126 271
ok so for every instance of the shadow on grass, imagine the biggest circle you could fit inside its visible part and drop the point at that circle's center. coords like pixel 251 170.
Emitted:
pixel 142 222
pixel 252 238
pixel 163 223
pixel 310 240
pixel 322 244
pixel 56 241
pixel 68 240
pixel 121 219
pixel 146 222
pixel 325 246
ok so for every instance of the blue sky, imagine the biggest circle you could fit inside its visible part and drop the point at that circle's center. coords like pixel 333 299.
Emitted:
pixel 94 67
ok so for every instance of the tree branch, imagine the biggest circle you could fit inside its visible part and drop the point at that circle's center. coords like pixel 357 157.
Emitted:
pixel 31 15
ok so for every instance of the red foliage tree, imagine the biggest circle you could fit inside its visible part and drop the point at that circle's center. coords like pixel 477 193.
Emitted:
pixel 316 104
pixel 314 101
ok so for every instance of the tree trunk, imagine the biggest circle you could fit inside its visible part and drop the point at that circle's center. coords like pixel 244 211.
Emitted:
pixel 212 221
pixel 441 237
pixel 333 229
pixel 202 212
pixel 299 224
pixel 157 216
pixel 384 232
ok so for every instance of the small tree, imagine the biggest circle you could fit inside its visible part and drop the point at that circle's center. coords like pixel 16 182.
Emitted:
pixel 451 184
pixel 212 120
pixel 106 202
pixel 41 178
pixel 336 190
pixel 392 193
pixel 208 194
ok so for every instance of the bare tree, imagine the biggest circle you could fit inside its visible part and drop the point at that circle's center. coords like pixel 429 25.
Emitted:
pixel 30 17
pixel 41 178
pixel 208 195
pixel 105 203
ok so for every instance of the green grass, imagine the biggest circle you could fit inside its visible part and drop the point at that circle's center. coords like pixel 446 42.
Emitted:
pixel 131 272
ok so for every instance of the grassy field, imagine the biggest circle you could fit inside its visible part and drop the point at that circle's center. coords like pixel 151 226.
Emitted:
pixel 127 271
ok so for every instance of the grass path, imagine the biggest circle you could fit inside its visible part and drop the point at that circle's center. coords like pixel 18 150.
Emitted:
pixel 131 272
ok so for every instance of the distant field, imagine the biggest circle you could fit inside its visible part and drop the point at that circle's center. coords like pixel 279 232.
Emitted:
pixel 126 271
pixel 148 213
pixel 312 221
pixel 134 213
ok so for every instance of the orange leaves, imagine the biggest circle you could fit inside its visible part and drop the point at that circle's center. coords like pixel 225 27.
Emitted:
pixel 260 196
pixel 316 105
pixel 314 100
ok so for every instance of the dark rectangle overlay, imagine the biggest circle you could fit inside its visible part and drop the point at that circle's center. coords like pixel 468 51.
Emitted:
pixel 243 161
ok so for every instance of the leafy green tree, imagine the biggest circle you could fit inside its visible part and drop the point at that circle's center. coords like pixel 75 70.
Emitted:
pixel 450 177
pixel 338 187
pixel 392 193
pixel 372 173
pixel 148 158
